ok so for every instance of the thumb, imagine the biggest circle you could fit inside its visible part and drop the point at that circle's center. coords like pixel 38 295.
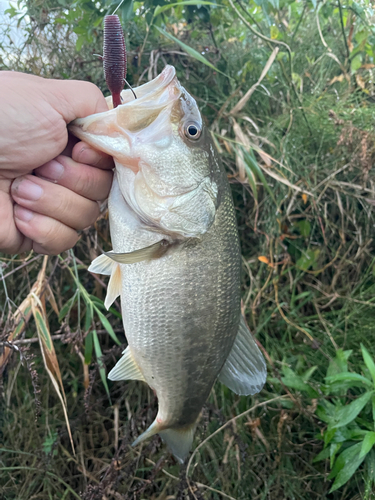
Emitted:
pixel 75 99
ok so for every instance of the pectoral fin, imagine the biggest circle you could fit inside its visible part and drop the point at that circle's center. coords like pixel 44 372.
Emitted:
pixel 126 368
pixel 154 251
pixel 244 372
pixel 105 265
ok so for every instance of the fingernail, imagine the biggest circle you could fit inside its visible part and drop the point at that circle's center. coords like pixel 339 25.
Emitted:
pixel 88 156
pixel 26 189
pixel 52 170
pixel 23 214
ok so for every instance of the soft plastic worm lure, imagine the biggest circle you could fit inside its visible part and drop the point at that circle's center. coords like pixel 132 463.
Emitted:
pixel 114 57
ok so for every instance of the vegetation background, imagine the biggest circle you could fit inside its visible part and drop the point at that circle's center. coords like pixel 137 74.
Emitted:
pixel 287 89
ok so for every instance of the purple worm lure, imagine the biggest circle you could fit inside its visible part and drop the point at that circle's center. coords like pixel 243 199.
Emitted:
pixel 114 57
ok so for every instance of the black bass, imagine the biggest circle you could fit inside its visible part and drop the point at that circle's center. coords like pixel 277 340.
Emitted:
pixel 176 256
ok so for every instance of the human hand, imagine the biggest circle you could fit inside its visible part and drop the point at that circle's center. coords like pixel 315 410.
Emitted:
pixel 43 211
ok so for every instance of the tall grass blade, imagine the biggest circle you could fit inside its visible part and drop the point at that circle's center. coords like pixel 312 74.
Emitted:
pixel 254 167
pixel 102 370
pixel 107 326
pixel 49 358
pixel 189 50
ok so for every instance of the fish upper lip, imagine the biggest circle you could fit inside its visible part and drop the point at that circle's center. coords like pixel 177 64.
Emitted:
pixel 165 78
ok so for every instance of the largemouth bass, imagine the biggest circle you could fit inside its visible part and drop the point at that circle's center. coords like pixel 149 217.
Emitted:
pixel 176 256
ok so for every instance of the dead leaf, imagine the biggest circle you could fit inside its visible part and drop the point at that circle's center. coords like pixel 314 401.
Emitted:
pixel 242 102
pixel 360 81
pixel 335 79
pixel 264 259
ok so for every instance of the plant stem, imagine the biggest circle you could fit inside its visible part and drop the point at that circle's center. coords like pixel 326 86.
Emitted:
pixel 343 30
pixel 299 23
pixel 276 42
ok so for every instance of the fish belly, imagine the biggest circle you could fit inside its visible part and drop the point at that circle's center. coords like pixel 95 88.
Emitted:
pixel 180 312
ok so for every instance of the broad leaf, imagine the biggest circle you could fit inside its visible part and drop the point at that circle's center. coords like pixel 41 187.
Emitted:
pixel 350 460
pixel 352 379
pixel 368 361
pixel 367 444
pixel 349 412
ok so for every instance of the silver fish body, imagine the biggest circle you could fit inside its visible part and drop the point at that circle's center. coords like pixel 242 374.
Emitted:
pixel 180 302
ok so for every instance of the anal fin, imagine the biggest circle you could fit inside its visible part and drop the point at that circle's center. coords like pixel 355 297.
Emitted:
pixel 126 368
pixel 244 371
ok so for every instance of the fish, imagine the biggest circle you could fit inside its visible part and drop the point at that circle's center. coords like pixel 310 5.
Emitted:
pixel 175 260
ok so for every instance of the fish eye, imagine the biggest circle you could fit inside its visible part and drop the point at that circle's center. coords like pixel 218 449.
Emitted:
pixel 192 131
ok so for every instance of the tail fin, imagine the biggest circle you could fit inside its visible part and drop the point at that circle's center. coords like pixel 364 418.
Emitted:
pixel 179 441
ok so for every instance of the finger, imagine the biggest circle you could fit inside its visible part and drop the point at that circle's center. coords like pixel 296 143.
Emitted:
pixel 83 153
pixel 72 141
pixel 90 182
pixel 52 200
pixel 11 240
pixel 74 99
pixel 49 235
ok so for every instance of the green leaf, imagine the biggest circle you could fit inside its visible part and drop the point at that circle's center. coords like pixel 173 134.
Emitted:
pixel 189 50
pixel 356 63
pixel 102 370
pixel 252 181
pixel 88 348
pixel 349 412
pixel 306 376
pixel 126 11
pixel 351 461
pixel 304 227
pixel 322 455
pixel 352 379
pixel 339 363
pixel 162 8
pixel 369 362
pixel 275 4
pixel 367 444
pixel 346 456
pixel 89 315
pixel 333 449
pixel 80 41
pixel 329 435
pixel 308 259
pixel 43 330
pixel 67 306
pixel 253 164
pixel 107 325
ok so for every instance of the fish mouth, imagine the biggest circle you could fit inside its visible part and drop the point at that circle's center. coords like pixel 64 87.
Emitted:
pixel 153 90
pixel 108 130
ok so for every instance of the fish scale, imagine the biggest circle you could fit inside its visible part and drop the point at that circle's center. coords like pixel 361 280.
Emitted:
pixel 176 257
pixel 201 322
